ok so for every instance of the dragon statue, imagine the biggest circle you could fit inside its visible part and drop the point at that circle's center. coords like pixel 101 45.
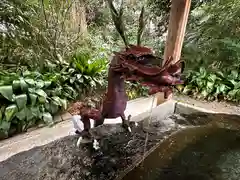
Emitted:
pixel 135 63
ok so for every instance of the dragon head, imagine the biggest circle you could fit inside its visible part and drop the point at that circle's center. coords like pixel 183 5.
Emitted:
pixel 138 63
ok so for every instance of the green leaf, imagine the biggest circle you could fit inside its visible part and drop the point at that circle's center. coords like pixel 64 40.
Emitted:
pixel 79 76
pixel 212 77
pixel 201 83
pixel 25 113
pixel 237 85
pixel 204 93
pixel 238 95
pixel 47 118
pixel 71 70
pixel 31 90
pixel 41 108
pixel 16 85
pixel 234 74
pixel 93 84
pixel 30 82
pixel 202 71
pixel 64 103
pixel 5 126
pixel 26 73
pixel 23 85
pixel 81 80
pixel 7 92
pixel 46 3
pixel 187 89
pixel 56 101
pixel 72 80
pixel 58 91
pixel 54 108
pixel 42 99
pixel 47 84
pixel 33 98
pixel 47 106
pixel 41 93
pixel 217 92
pixel 35 111
pixel 21 115
pixel 210 85
pixel 69 90
pixel 86 77
pixel 10 112
pixel 233 82
pixel 21 101
pixel 233 93
pixel 39 84
pixel 29 114
pixel 220 74
pixel 222 88
pixel 42 96
pixel 1 112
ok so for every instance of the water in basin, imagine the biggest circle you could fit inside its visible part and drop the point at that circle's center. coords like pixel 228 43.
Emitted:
pixel 210 151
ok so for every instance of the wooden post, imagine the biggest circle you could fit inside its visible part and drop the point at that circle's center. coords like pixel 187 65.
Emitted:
pixel 176 31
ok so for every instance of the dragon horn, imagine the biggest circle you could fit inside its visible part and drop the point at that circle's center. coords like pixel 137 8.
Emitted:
pixel 183 65
pixel 167 63
pixel 117 19
pixel 141 26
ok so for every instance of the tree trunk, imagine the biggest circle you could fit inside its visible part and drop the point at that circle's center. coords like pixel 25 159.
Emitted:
pixel 79 21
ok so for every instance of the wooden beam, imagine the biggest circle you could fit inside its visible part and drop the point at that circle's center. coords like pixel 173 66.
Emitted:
pixel 176 28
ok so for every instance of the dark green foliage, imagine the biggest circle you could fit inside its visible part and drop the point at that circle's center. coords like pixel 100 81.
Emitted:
pixel 29 98
pixel 214 85
pixel 34 33
pixel 212 43
pixel 213 37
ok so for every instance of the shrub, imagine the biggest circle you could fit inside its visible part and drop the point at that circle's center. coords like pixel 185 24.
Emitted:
pixel 29 97
pixel 214 85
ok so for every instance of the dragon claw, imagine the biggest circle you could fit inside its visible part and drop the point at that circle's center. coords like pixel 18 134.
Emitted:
pixel 136 124
pixel 127 127
pixel 126 123
pixel 96 144
pixel 82 140
pixel 79 141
